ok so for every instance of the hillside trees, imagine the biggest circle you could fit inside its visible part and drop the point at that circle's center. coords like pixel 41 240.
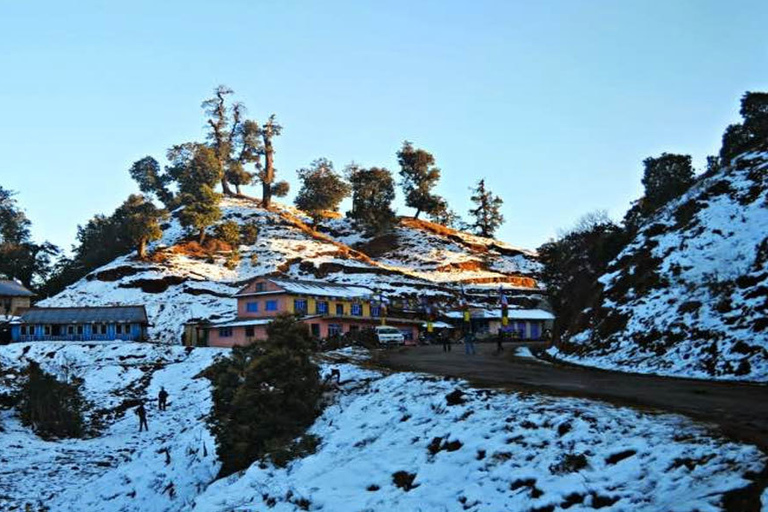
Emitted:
pixel 487 217
pixel 753 129
pixel 195 168
pixel 152 180
pixel 264 395
pixel 322 188
pixel 20 257
pixel 419 175
pixel 373 191
pixel 139 221
pixel 54 409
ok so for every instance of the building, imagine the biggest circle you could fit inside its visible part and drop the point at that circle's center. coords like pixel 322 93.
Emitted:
pixel 106 323
pixel 13 297
pixel 328 308
pixel 528 324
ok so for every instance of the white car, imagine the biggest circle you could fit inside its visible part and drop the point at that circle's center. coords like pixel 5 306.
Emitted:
pixel 389 335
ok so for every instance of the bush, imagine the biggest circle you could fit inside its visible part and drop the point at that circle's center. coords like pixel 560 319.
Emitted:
pixel 249 233
pixel 52 408
pixel 265 395
pixel 229 232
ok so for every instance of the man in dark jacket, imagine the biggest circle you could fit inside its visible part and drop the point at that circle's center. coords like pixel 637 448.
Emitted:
pixel 162 399
pixel 141 412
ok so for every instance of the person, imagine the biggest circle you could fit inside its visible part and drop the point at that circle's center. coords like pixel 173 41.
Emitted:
pixel 162 399
pixel 500 339
pixel 469 343
pixel 142 414
pixel 445 337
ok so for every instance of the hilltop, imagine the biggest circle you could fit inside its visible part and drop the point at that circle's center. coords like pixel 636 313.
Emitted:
pixel 688 296
pixel 182 281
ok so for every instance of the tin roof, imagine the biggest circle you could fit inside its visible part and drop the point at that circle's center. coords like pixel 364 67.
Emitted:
pixel 10 288
pixel 84 315
pixel 316 288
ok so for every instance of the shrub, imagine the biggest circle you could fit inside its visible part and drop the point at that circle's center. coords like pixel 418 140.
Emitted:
pixel 249 233
pixel 265 395
pixel 52 408
pixel 229 232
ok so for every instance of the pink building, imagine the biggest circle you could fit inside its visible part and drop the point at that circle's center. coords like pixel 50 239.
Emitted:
pixel 328 308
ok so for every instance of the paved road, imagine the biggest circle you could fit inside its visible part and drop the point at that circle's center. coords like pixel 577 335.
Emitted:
pixel 740 410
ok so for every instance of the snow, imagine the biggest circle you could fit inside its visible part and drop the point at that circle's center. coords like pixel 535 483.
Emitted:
pixel 119 469
pixel 508 454
pixel 515 314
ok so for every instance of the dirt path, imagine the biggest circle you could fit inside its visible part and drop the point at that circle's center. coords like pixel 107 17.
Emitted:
pixel 739 410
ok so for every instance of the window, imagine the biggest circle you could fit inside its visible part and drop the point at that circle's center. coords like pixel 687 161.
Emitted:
pixel 357 309
pixel 119 329
pixel 47 330
pixel 260 287
pixel 249 332
pixel 375 310
pixel 271 305
pixel 300 306
pixel 315 329
pixel 252 307
pixel 70 329
pixel 321 308
pixel 339 309
pixel 102 328
pixel 79 329
pixel 225 332
pixel 334 329
pixel 23 330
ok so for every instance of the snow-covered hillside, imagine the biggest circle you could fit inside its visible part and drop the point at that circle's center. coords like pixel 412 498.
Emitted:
pixel 412 442
pixel 120 469
pixel 181 283
pixel 401 441
pixel 689 296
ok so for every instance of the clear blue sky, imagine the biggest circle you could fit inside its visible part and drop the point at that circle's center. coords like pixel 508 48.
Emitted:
pixel 556 103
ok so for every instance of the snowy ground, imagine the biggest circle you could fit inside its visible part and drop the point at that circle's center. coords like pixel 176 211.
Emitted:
pixel 120 470
pixel 495 451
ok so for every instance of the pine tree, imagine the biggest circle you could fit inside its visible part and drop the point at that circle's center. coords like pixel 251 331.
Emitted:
pixel 194 166
pixel 139 222
pixel 419 176
pixel 487 217
pixel 665 178
pixel 266 174
pixel 373 191
pixel 152 180
pixel 322 189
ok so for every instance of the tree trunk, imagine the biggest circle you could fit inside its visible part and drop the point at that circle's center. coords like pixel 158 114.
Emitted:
pixel 142 249
pixel 237 188
pixel 418 212
pixel 202 236
pixel 225 186
pixel 266 194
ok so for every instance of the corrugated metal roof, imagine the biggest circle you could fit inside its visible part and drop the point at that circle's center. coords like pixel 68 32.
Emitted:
pixel 85 315
pixel 316 288
pixel 513 314
pixel 10 288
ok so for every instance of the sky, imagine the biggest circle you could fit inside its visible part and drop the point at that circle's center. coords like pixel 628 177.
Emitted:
pixel 554 103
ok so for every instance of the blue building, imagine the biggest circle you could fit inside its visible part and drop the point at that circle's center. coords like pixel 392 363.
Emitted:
pixel 107 323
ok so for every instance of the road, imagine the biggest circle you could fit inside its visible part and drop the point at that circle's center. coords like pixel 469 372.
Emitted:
pixel 739 410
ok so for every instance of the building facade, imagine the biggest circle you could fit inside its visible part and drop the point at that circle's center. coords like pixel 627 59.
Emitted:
pixel 526 324
pixel 128 323
pixel 13 298
pixel 329 309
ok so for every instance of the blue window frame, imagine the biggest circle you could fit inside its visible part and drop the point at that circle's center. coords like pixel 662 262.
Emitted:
pixel 357 309
pixel 334 329
pixel 339 309
pixel 252 307
pixel 300 306
pixel 271 305
pixel 321 308
pixel 225 332
pixel 375 310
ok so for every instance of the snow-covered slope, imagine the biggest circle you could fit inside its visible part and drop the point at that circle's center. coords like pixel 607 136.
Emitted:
pixel 182 283
pixel 397 443
pixel 119 469
pixel 689 296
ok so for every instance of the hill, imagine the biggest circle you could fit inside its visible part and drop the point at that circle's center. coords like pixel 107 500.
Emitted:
pixel 183 281
pixel 688 296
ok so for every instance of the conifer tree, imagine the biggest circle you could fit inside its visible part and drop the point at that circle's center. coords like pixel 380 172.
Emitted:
pixel 194 166
pixel 419 176
pixel 268 131
pixel 139 222
pixel 152 180
pixel 373 191
pixel 665 177
pixel 322 189
pixel 487 217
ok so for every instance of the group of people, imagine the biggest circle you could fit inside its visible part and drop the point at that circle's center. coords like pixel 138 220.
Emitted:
pixel 141 411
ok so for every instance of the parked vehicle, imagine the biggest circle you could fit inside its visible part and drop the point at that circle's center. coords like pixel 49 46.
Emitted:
pixel 389 336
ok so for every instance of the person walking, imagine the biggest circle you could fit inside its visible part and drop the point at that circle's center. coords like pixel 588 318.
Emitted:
pixel 445 337
pixel 141 412
pixel 499 340
pixel 469 343
pixel 162 399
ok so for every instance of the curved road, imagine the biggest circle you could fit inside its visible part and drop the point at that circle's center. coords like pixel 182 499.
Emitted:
pixel 740 410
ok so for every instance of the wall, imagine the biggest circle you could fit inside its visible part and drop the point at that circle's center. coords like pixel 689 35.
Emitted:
pixel 238 336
